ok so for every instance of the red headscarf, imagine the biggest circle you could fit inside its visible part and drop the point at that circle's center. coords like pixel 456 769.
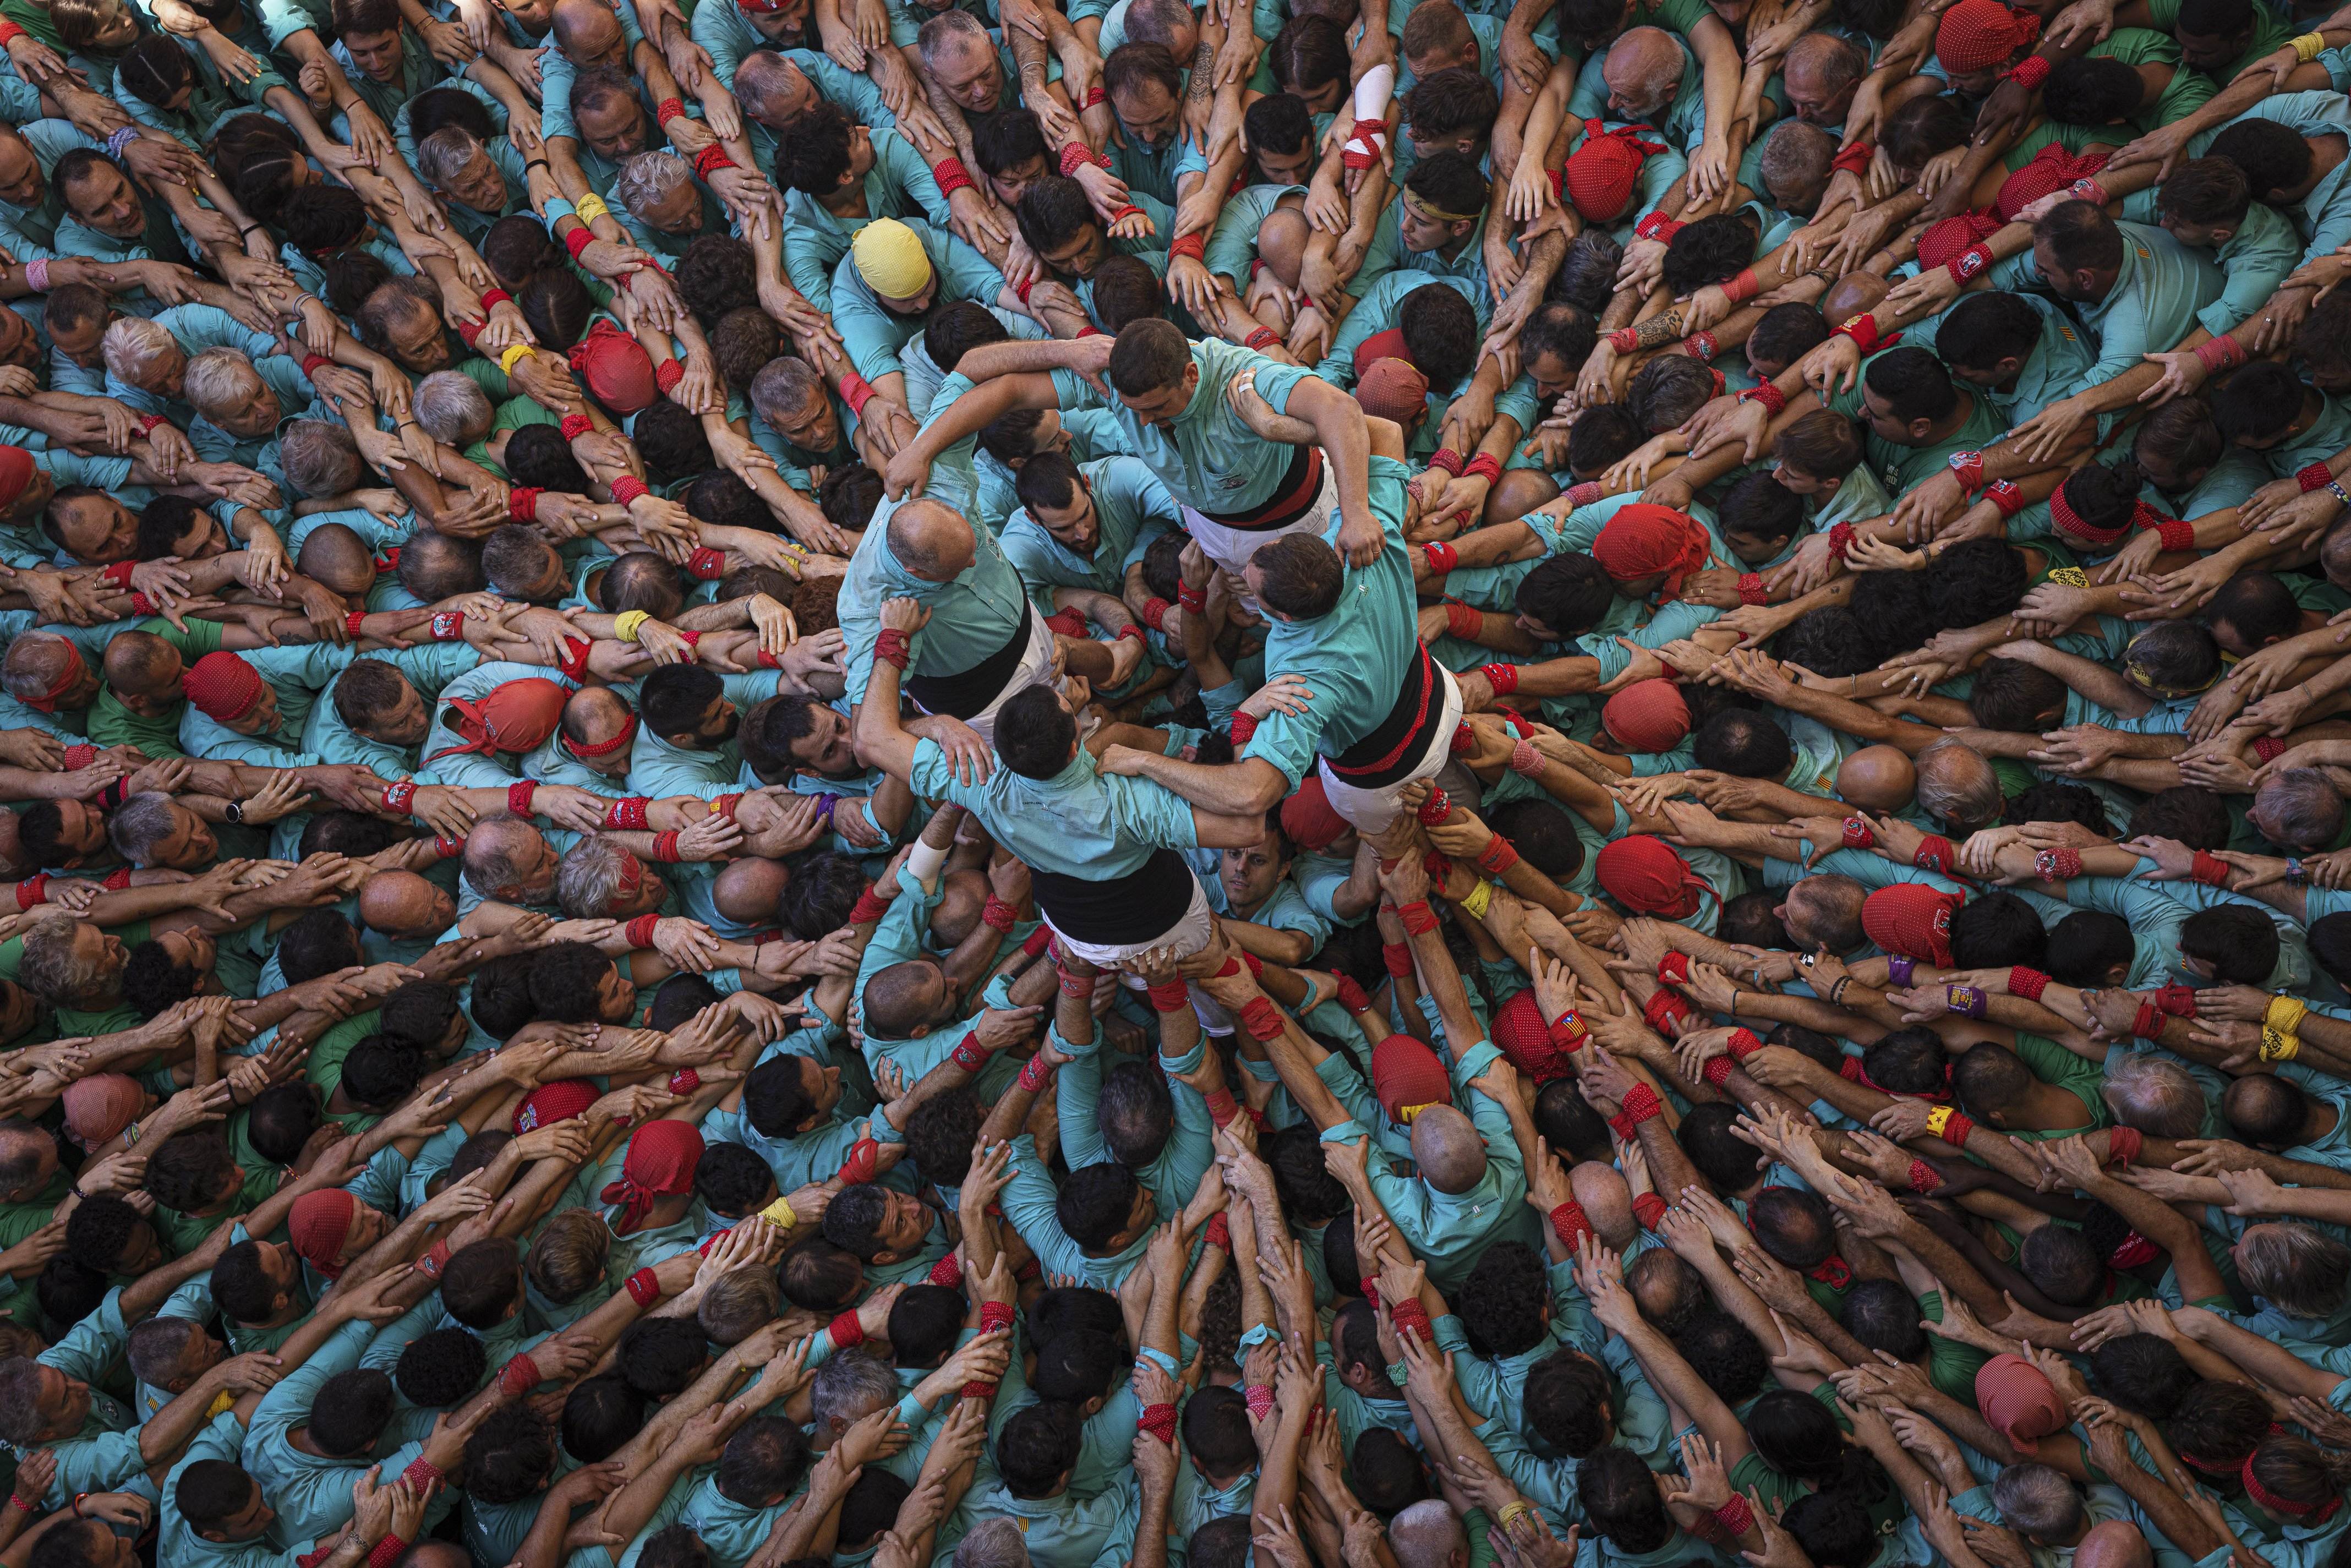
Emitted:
pixel 15 473
pixel 660 1163
pixel 1307 816
pixel 1643 873
pixel 1647 715
pixel 1520 1034
pixel 318 1226
pixel 1645 539
pixel 1943 242
pixel 1605 169
pixel 222 685
pixel 1912 919
pixel 1393 389
pixel 100 1106
pixel 2016 1398
pixel 616 368
pixel 1408 1077
pixel 2051 171
pixel 516 717
pixel 1977 34
pixel 551 1102
pixel 1384 345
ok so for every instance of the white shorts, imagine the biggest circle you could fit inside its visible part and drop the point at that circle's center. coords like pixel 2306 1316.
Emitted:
pixel 1232 548
pixel 1036 668
pixel 1185 938
pixel 1373 810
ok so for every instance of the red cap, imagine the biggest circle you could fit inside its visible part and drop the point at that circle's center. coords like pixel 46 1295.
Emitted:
pixel 222 685
pixel 1647 717
pixel 1407 1076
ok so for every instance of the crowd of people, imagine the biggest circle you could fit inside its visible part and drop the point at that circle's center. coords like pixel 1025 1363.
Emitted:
pixel 968 784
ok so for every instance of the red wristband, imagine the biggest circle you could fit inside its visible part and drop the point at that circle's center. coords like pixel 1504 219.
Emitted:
pixel 2026 982
pixel 644 1288
pixel 846 1332
pixel 639 931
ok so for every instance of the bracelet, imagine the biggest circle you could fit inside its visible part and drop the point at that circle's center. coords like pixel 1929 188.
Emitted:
pixel 1446 460
pixel 627 488
pixel 1485 466
pixel 1774 400
pixel 951 176
pixel 120 142
pixel 999 915
pixel 1035 1073
pixel 1924 1177
pixel 1503 678
pixel 519 1377
pixel 2027 983
pixel 1968 467
pixel 668 109
pixel 434 1260
pixel 2004 495
pixel 969 1053
pixel 1742 287
pixel 396 796
pixel 577 242
pixel 643 1288
pixel 626 624
pixel 36 271
pixel 2221 353
pixel 1569 1224
pixel 1736 1517
pixel 1970 263
pixel 2209 869
pixel 2313 477
pixel 665 848
pixel 1442 558
pixel 590 207
pixel 1949 1125
pixel 1856 834
pixel 1244 727
pixel 1701 346
pixel 2028 73
pixel 705 565
pixel 628 813
pixel 1967 1001
pixel 893 647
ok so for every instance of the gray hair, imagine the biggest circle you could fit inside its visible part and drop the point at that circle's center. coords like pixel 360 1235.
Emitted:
pixel 442 156
pixel 51 971
pixel 2154 1094
pixel 33 664
pixel 321 458
pixel 20 1401
pixel 994 1543
pixel 589 877
pixel 850 1387
pixel 2038 1500
pixel 647 179
pixel 454 409
pixel 494 851
pixel 947 28
pixel 132 343
pixel 782 387
pixel 2299 807
pixel 223 378
pixel 1795 152
pixel 1426 1535
pixel 2299 1270
pixel 377 311
pixel 140 824
pixel 1954 791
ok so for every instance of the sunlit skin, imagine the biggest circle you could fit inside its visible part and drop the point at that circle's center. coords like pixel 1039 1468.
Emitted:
pixel 971 76
pixel 406 725
pixel 822 1088
pixel 905 1223
pixel 105 201
pixel 414 337
pixel 1082 255
pixel 19 344
pixel 253 419
pixel 679 212
pixel 197 951
pixel 21 184
pixel 815 427
pixel 598 41
pixel 1151 114
pixel 1012 182
pixel 262 718
pixel 79 342
pixel 1252 873
pixel 717 726
pixel 2080 284
pixel 1077 526
pixel 613 127
pixel 248 1522
pixel 1422 231
pixel 377 54
pixel 96 529
pixel 479 184
pixel 1160 408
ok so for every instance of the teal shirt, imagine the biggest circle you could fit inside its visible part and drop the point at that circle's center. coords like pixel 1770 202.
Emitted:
pixel 973 617
pixel 1132 509
pixel 873 334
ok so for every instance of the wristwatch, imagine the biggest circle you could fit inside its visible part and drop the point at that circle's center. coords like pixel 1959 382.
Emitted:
pixel 236 812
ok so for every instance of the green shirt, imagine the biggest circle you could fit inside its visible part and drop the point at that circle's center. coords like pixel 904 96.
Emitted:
pixel 111 724
pixel 1900 467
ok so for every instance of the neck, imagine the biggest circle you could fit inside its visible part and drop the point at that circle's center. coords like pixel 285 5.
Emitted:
pixel 848 202
pixel 1958 417
pixel 2320 1120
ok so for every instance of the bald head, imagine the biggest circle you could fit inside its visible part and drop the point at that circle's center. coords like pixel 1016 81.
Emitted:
pixel 1853 293
pixel 339 558
pixel 2116 1544
pixel 1877 779
pixel 398 903
pixel 1823 63
pixel 1446 1146
pixel 1426 1535
pixel 586 29
pixel 141 665
pixel 1643 67
pixel 1607 1201
pixel 595 715
pixel 750 890
pixel 1959 784
pixel 931 539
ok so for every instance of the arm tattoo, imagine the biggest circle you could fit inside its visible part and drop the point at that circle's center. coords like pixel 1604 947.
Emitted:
pixel 1203 61
pixel 1660 329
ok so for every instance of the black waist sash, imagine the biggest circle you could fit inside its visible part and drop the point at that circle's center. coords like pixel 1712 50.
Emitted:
pixel 1291 499
pixel 1391 752
pixel 1143 906
pixel 968 692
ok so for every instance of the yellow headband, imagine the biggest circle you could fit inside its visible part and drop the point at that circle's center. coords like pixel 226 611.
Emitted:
pixel 1405 1114
pixel 1435 215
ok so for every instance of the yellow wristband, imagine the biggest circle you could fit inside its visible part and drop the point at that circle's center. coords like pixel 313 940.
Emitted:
pixel 2279 1046
pixel 1937 1119
pixel 1474 903
pixel 589 208
pixel 2307 47
pixel 2071 576
pixel 2284 1014
pixel 779 1213
pixel 626 624
pixel 508 359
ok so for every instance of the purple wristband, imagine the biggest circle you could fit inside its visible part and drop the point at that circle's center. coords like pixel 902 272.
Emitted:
pixel 1898 969
pixel 825 803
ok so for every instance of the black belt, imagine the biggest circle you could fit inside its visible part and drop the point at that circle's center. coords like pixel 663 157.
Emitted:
pixel 965 693
pixel 1144 904
pixel 1291 499
pixel 1394 750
